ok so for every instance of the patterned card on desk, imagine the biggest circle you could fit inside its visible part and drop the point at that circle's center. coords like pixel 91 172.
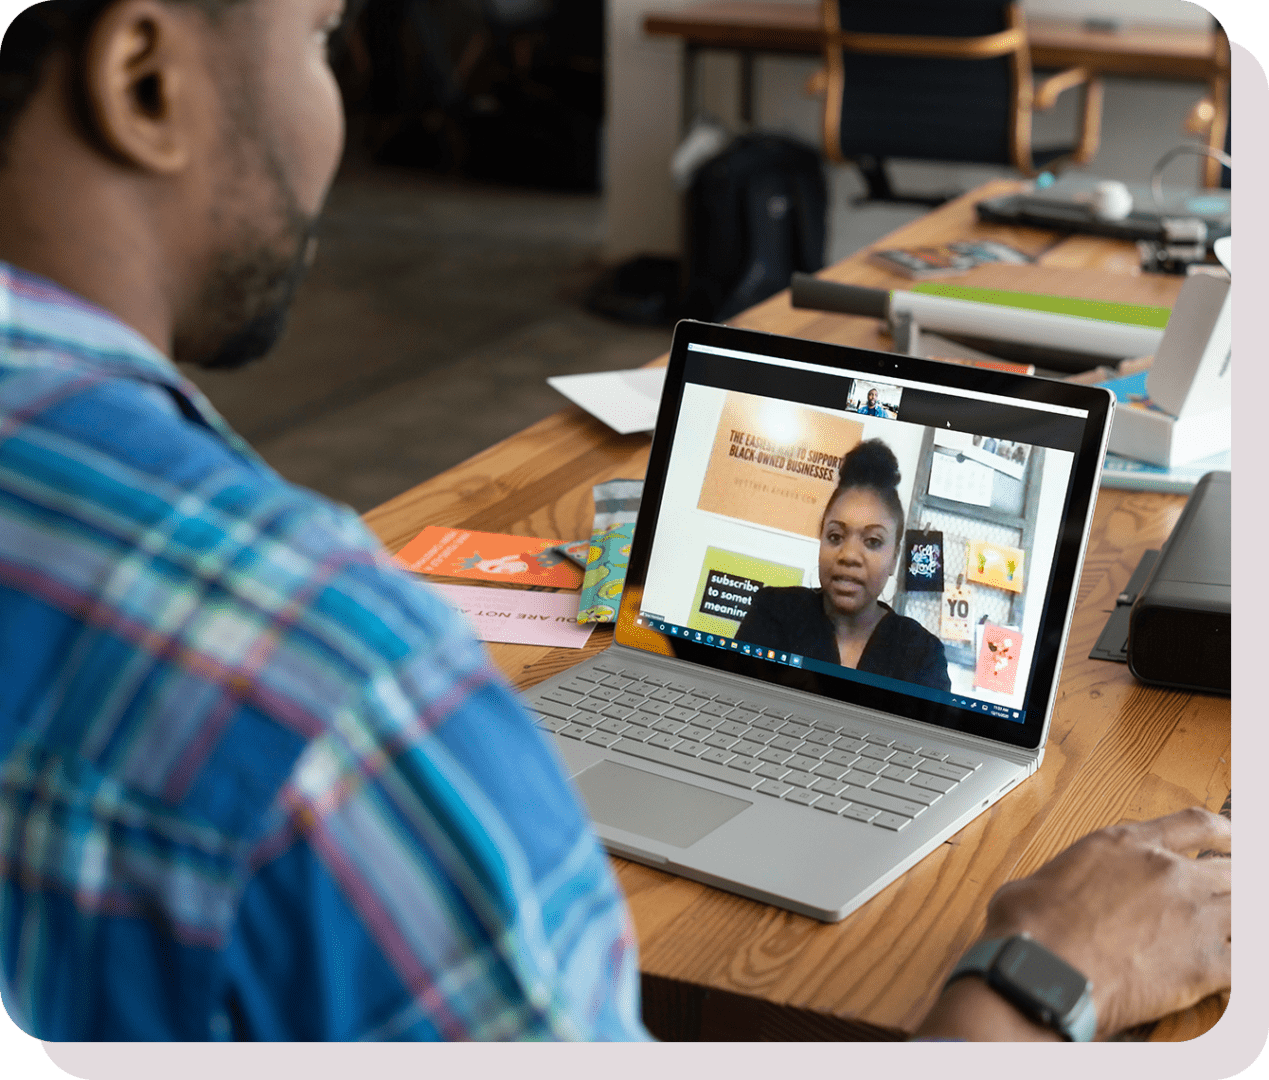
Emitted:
pixel 462 553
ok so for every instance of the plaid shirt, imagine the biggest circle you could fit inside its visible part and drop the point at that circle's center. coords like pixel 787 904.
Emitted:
pixel 255 782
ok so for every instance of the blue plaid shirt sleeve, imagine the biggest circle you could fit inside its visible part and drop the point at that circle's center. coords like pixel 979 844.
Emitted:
pixel 255 781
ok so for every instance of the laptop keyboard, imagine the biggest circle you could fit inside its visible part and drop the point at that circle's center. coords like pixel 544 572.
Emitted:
pixel 839 767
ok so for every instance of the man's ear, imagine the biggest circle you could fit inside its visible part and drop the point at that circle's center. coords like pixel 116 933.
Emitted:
pixel 142 74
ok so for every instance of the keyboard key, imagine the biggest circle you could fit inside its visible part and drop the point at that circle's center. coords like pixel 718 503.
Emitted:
pixel 771 771
pixel 828 727
pixel 692 702
pixel 826 787
pixel 779 713
pixel 746 714
pixel 670 727
pixel 702 720
pixel 868 797
pixel 877 753
pixel 590 705
pixel 933 754
pixel 906 760
pixel 802 795
pixel 852 731
pixel 785 742
pixel 643 689
pixel 632 701
pixel 617 682
pixel 605 693
pixel 589 675
pixel 694 731
pixel 932 783
pixel 860 813
pixel 796 731
pixel 678 687
pixel 562 696
pixel 615 726
pixel 617 712
pixel 574 731
pixel 841 757
pixel 831 805
pixel 800 761
pixel 695 765
pixel 964 761
pixel 877 738
pixel 727 699
pixel 771 754
pixel 577 686
pixel 666 694
pixel 602 738
pixel 824 768
pixel 851 746
pixel 667 742
pixel 552 708
pixel 822 738
pixel 655 707
pixel 772 787
pixel 550 723
pixel 718 757
pixel 869 765
pixel 656 680
pixel 893 772
pixel 769 723
pixel 859 779
pixel 905 746
pixel 906 791
pixel 948 772
pixel 586 719
pixel 686 715
pixel 691 748
pixel 893 822
pixel 747 764
pixel 753 749
pixel 647 719
pixel 731 727
pixel 723 742
pixel 799 779
pixel 639 732
pixel 715 708
pixel 607 667
pixel 759 735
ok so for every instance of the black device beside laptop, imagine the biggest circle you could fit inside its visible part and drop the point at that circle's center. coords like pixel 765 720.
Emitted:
pixel 780 775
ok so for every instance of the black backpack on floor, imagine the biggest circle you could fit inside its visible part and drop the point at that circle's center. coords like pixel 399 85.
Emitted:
pixel 755 214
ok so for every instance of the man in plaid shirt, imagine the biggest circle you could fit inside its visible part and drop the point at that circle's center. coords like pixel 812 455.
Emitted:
pixel 254 781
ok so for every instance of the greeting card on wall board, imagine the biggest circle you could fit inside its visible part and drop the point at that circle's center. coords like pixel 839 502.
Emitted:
pixel 462 553
pixel 958 478
pixel 955 622
pixel 998 658
pixel 923 560
pixel 997 565
pixel 775 463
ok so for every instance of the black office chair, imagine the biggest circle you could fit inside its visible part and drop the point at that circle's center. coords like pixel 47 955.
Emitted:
pixel 941 80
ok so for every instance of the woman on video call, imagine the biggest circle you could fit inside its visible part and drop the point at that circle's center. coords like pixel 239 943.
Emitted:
pixel 843 622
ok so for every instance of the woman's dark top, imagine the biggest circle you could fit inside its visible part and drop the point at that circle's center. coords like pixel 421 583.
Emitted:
pixel 793 620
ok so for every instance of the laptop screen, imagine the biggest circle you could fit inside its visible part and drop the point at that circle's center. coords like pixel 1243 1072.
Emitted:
pixel 896 533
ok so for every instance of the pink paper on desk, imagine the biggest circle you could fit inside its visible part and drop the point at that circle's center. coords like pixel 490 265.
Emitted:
pixel 518 617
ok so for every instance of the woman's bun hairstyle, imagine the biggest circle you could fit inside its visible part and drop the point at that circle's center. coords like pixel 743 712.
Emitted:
pixel 871 465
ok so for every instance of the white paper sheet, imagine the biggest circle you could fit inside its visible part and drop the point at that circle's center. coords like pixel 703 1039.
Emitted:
pixel 963 481
pixel 627 401
pixel 519 616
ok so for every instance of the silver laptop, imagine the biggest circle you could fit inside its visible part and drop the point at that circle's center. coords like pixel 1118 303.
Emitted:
pixel 805 694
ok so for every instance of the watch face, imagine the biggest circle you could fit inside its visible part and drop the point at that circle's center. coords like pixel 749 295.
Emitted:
pixel 1041 975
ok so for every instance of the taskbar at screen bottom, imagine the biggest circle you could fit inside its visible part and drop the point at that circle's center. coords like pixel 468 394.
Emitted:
pixel 700 637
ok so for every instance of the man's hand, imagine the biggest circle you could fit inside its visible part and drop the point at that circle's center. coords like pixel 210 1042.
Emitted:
pixel 1132 910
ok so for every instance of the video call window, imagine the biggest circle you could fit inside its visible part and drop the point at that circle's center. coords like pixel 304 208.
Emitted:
pixel 902 550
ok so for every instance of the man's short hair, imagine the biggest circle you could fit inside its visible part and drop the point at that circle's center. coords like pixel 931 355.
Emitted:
pixel 40 31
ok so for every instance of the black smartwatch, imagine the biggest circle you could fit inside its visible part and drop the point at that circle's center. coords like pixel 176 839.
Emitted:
pixel 1041 985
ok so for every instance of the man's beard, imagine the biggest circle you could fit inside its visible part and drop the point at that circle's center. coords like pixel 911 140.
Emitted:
pixel 242 305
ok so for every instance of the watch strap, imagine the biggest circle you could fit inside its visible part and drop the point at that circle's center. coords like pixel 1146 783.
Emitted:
pixel 1078 1025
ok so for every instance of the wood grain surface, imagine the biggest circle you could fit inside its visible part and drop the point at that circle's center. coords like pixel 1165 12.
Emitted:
pixel 720 966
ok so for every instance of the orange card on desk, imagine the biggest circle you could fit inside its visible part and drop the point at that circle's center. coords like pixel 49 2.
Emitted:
pixel 462 553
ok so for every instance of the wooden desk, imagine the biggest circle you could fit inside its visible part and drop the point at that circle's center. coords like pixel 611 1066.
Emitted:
pixel 719 966
pixel 751 28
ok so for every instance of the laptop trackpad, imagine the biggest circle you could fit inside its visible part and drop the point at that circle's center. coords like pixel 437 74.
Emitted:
pixel 653 806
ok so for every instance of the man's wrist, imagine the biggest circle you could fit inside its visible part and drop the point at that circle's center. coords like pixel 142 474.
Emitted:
pixel 970 1009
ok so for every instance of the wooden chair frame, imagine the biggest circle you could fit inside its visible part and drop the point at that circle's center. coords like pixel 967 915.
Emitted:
pixel 1028 98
